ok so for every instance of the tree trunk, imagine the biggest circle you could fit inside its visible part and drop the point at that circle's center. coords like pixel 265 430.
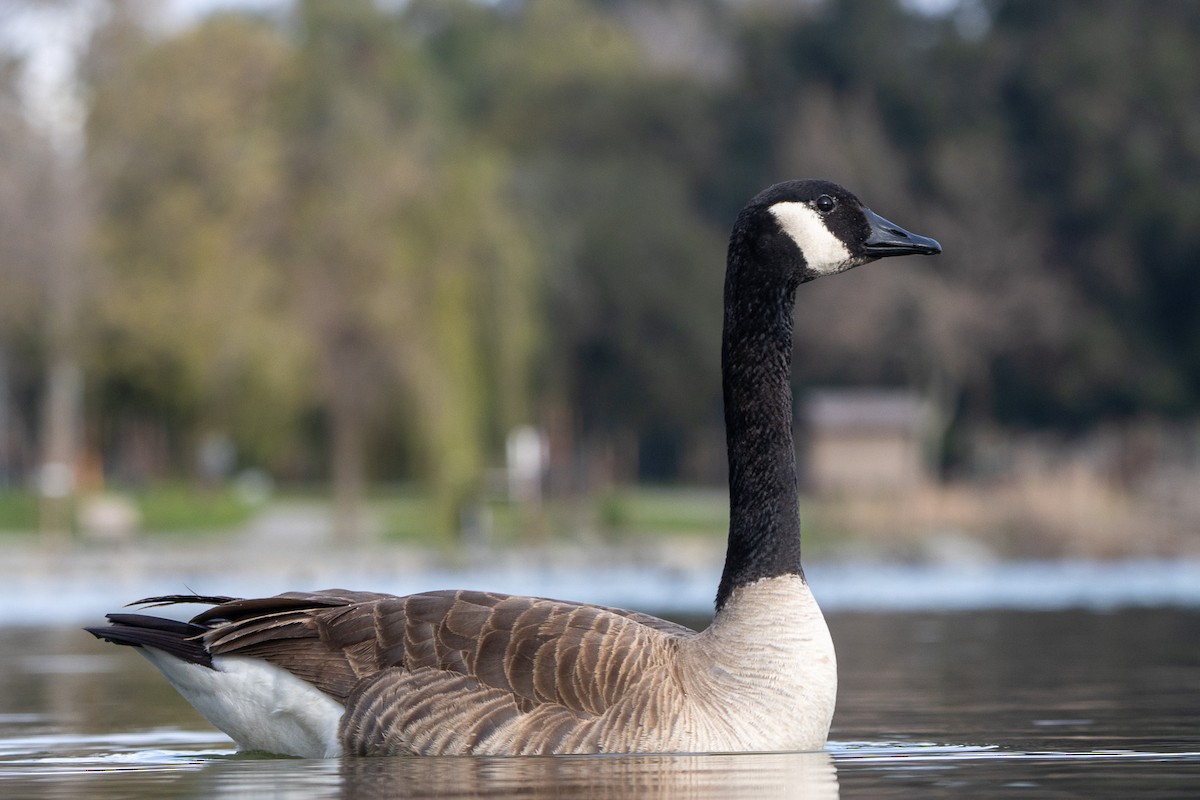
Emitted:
pixel 62 402
pixel 56 479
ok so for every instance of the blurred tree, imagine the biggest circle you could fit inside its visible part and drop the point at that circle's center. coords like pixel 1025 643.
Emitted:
pixel 610 152
pixel 44 219
pixel 411 197
pixel 26 167
pixel 994 297
pixel 400 247
pixel 186 155
pixel 23 162
pixel 1103 102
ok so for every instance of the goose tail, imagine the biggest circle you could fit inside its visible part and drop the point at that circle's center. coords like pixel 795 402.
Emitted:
pixel 260 706
pixel 182 640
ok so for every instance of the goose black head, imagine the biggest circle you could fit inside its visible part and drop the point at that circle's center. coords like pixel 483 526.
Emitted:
pixel 818 228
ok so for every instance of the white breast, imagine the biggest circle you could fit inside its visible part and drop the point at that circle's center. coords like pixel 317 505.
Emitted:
pixel 770 672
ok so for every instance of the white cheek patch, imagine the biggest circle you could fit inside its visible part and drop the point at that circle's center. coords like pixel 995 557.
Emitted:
pixel 824 252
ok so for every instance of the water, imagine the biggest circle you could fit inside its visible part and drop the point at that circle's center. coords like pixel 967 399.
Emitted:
pixel 981 704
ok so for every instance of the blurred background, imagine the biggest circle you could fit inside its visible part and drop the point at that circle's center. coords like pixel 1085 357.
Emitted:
pixel 448 274
pixel 415 294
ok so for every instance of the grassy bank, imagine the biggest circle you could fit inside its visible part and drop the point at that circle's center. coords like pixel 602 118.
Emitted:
pixel 1066 516
pixel 166 509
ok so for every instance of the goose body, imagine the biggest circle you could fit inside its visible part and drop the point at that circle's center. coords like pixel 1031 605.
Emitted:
pixel 328 673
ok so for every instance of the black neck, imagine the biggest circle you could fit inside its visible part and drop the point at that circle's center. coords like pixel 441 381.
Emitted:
pixel 756 361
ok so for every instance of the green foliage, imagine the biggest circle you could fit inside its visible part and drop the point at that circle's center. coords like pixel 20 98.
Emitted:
pixel 407 517
pixel 664 512
pixel 403 243
pixel 18 511
pixel 183 147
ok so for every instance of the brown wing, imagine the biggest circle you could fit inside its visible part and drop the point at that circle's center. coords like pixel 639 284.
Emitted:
pixel 431 712
pixel 533 651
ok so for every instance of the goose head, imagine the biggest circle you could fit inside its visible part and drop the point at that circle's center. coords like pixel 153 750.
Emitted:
pixel 811 228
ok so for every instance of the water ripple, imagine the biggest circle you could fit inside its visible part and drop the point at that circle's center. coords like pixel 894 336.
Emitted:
pixel 899 752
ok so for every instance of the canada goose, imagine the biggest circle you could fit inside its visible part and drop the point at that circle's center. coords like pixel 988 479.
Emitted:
pixel 334 672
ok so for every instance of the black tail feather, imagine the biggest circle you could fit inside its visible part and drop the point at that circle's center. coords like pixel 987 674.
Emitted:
pixel 180 639
pixel 183 599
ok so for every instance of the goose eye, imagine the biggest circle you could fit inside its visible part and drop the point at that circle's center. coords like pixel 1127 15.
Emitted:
pixel 825 204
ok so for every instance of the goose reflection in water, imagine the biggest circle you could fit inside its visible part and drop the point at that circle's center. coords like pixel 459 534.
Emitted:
pixel 758 775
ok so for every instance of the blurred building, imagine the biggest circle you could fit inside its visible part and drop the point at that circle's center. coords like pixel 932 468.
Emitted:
pixel 860 440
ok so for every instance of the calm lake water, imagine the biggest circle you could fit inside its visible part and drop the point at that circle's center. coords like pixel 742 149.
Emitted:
pixel 979 704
